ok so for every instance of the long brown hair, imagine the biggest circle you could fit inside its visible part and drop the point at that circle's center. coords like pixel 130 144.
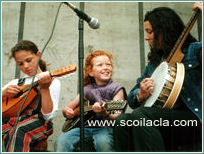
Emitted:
pixel 167 24
pixel 89 64
pixel 28 46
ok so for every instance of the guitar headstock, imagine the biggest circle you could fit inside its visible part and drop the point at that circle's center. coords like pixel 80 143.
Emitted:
pixel 114 105
pixel 65 70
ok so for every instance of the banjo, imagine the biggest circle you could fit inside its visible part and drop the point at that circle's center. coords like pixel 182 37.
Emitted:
pixel 169 75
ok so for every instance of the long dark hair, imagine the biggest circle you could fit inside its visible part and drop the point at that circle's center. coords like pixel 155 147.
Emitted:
pixel 167 27
pixel 28 46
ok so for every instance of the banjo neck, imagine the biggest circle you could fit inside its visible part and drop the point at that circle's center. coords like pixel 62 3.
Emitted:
pixel 176 54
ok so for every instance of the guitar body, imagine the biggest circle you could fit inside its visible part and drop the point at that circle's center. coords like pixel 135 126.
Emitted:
pixel 11 107
pixel 90 114
pixel 75 122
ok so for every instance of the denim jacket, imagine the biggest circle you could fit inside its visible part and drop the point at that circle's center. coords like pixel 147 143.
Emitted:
pixel 191 92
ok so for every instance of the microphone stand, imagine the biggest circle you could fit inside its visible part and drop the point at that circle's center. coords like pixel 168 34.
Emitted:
pixel 81 87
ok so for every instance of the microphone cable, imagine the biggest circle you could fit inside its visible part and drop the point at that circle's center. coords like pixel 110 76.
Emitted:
pixel 30 87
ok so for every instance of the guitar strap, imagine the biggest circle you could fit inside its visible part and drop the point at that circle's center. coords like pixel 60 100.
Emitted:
pixel 35 106
pixel 21 81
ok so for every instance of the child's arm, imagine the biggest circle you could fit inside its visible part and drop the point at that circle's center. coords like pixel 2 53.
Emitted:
pixel 68 110
pixel 118 96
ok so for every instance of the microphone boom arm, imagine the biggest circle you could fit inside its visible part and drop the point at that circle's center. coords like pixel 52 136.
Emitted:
pixel 93 22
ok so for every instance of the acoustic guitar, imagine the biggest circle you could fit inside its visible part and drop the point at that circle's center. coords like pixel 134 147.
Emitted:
pixel 10 107
pixel 89 114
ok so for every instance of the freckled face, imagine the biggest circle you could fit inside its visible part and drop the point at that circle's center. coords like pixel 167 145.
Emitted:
pixel 26 61
pixel 149 34
pixel 101 70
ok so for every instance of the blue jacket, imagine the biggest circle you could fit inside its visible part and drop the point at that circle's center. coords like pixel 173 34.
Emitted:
pixel 191 93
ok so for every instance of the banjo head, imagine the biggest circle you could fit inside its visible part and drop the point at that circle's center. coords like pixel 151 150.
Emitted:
pixel 159 77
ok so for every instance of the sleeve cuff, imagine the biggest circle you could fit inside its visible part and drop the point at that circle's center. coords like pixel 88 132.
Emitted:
pixel 48 116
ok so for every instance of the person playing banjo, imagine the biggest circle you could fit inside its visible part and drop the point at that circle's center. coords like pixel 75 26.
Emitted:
pixel 157 128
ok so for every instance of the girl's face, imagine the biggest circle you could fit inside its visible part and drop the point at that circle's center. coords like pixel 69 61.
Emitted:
pixel 101 70
pixel 27 61
pixel 149 36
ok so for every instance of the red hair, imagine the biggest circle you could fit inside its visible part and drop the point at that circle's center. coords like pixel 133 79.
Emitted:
pixel 89 64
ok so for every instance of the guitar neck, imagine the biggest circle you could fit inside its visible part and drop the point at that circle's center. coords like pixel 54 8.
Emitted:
pixel 112 105
pixel 88 108
pixel 57 73
pixel 34 84
pixel 176 55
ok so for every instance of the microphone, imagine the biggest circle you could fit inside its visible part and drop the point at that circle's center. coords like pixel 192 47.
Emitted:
pixel 93 22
